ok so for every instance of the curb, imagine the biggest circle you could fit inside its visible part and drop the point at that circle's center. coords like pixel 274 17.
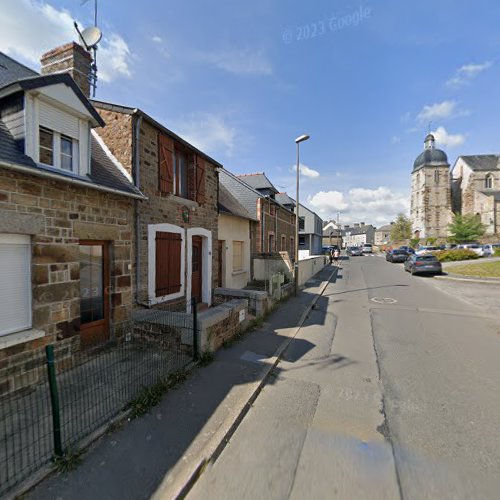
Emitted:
pixel 212 450
pixel 469 279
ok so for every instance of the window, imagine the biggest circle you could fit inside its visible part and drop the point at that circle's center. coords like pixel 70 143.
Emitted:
pixel 302 223
pixel 271 243
pixel 237 255
pixel 168 263
pixel 58 150
pixel 272 209
pixel 436 176
pixel 302 241
pixel 46 146
pixel 66 153
pixel 283 243
pixel 292 247
pixel 15 283
pixel 181 174
pixel 488 182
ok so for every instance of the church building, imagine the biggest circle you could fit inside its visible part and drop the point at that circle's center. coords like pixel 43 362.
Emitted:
pixel 431 209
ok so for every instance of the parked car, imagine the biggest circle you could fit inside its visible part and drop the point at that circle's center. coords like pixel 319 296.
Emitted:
pixel 475 247
pixel 423 264
pixel 424 250
pixel 488 250
pixel 354 251
pixel 396 255
pixel 407 249
pixel 367 248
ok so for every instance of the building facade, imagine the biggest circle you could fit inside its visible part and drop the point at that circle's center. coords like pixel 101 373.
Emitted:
pixel 357 235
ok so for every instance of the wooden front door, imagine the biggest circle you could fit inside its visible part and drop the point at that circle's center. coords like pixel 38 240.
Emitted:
pixel 94 288
pixel 220 281
pixel 196 269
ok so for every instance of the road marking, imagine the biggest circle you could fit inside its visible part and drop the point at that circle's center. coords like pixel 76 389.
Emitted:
pixel 383 300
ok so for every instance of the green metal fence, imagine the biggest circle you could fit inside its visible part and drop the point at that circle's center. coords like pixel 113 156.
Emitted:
pixel 75 395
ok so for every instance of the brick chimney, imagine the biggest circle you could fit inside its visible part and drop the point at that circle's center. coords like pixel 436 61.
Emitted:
pixel 69 58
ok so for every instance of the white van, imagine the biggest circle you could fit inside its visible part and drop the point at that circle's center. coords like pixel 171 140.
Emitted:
pixel 367 248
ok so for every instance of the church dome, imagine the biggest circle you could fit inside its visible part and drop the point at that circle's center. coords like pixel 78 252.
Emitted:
pixel 430 156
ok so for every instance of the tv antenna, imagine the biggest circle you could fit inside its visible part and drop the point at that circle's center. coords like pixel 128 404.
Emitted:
pixel 90 37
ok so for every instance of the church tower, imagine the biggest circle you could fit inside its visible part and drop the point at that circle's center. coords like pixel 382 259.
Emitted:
pixel 430 211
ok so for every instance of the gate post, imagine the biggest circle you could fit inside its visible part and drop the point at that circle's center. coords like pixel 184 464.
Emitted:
pixel 194 309
pixel 54 400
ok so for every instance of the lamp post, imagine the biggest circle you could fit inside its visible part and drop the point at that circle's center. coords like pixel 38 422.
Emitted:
pixel 299 139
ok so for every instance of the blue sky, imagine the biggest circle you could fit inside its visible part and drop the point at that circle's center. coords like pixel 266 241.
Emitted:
pixel 242 79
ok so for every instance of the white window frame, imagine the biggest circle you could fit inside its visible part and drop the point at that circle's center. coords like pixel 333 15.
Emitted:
pixel 20 239
pixel 57 151
pixel 164 228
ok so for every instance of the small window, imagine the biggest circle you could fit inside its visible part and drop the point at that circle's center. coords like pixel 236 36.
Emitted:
pixel 271 243
pixel 237 255
pixel 283 243
pixel 272 209
pixel 302 223
pixel 302 241
pixel 436 176
pixel 46 146
pixel 488 182
pixel 292 247
pixel 15 283
pixel 181 174
pixel 66 153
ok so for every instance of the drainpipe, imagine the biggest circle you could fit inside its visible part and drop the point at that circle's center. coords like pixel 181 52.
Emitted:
pixel 137 183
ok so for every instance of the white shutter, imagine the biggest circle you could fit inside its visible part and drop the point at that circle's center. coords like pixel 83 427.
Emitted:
pixel 15 283
pixel 58 120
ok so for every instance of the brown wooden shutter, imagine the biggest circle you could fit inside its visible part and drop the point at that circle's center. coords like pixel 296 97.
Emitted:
pixel 168 263
pixel 200 180
pixel 166 161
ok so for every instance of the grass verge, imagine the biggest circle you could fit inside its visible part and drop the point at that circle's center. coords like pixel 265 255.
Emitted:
pixel 481 269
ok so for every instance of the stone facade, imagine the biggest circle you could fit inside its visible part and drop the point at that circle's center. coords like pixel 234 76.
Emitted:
pixel 57 216
pixel 161 208
pixel 431 201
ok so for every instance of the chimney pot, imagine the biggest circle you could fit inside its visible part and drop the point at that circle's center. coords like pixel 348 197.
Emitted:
pixel 70 58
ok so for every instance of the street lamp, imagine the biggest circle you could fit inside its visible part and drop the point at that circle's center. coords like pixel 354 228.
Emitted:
pixel 299 139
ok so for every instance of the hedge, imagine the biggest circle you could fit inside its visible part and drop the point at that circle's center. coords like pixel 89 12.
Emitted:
pixel 456 254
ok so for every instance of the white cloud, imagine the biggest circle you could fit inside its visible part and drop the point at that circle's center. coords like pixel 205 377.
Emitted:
pixel 448 140
pixel 373 206
pixel 439 110
pixel 395 139
pixel 306 171
pixel 208 132
pixel 157 39
pixel 467 73
pixel 240 62
pixel 54 27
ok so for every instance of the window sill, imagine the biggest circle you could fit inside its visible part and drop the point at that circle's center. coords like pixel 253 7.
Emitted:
pixel 183 201
pixel 21 337
pixel 238 273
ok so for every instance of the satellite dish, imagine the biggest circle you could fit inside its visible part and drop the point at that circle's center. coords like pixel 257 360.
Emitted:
pixel 91 36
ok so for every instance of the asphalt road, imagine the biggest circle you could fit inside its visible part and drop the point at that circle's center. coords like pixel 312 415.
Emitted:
pixel 398 398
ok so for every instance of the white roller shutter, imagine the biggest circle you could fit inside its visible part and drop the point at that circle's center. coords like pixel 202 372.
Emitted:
pixel 55 119
pixel 15 283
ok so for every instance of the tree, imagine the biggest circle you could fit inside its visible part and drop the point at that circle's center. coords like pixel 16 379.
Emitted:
pixel 466 228
pixel 401 229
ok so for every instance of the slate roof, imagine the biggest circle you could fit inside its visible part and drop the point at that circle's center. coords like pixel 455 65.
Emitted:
pixel 228 204
pixel 495 194
pixel 257 181
pixel 103 171
pixel 245 195
pixel 430 157
pixel 284 199
pixel 358 230
pixel 12 71
pixel 482 162
pixel 387 227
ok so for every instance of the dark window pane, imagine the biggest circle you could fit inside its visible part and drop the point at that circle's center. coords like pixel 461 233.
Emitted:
pixel 46 146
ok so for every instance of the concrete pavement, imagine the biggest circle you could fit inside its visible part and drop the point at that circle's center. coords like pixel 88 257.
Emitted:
pixel 398 398
pixel 159 453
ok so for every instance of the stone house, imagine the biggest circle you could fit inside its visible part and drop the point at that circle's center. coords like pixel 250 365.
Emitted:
pixel 66 216
pixel 476 189
pixel 176 228
pixel 234 241
pixel 383 234
pixel 332 234
pixel 357 235
pixel 273 225
pixel 310 227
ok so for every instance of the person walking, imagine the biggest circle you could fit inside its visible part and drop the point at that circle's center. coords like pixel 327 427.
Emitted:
pixel 330 255
pixel 336 256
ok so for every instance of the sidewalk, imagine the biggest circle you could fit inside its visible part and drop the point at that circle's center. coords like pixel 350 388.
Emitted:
pixel 164 450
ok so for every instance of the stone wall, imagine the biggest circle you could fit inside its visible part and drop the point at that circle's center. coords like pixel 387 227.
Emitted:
pixel 58 215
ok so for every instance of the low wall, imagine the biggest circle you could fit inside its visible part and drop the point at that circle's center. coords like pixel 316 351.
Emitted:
pixel 309 267
pixel 265 266
pixel 221 323
pixel 257 300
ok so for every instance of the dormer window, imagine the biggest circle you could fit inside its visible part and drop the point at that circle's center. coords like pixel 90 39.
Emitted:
pixel 58 150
